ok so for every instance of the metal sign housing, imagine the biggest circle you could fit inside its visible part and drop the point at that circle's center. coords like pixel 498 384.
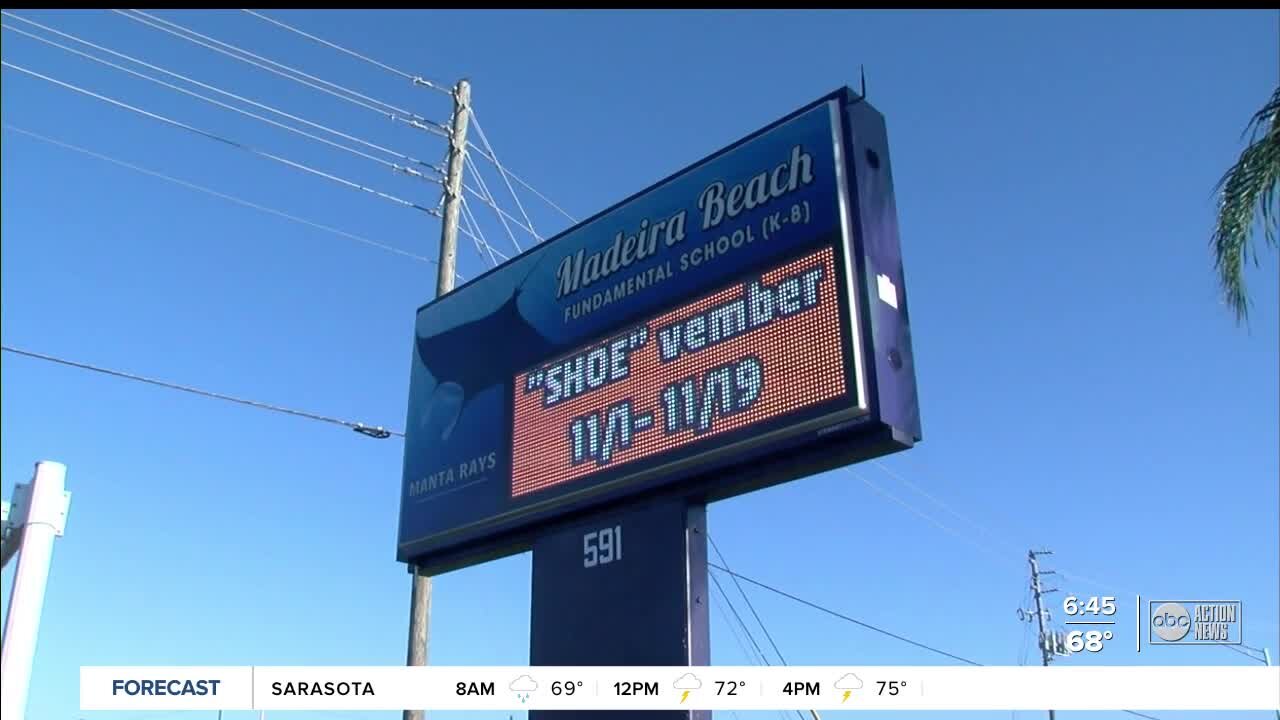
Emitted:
pixel 739 324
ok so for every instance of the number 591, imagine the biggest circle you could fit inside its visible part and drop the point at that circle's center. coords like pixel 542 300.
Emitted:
pixel 601 547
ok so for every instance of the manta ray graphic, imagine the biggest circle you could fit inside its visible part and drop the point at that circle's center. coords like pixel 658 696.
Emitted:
pixel 469 358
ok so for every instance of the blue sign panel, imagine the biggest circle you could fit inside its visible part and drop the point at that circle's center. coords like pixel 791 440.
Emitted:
pixel 673 344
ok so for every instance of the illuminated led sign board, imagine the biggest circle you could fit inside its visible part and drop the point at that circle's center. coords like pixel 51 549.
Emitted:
pixel 740 324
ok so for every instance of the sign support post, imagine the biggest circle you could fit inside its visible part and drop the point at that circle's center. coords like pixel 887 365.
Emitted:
pixel 627 587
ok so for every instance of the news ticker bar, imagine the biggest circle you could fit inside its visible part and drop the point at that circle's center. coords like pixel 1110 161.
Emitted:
pixel 681 687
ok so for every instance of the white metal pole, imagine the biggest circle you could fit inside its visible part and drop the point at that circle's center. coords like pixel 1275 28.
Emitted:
pixel 1266 659
pixel 44 512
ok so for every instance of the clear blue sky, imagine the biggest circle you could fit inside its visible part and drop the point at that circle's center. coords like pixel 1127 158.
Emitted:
pixel 1082 388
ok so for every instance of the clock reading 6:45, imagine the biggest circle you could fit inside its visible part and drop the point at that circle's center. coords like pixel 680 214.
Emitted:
pixel 1073 605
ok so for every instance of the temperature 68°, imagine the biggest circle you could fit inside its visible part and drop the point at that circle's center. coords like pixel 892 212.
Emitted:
pixel 1090 640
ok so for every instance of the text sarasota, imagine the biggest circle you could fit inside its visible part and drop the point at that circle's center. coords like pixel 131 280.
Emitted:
pixel 322 689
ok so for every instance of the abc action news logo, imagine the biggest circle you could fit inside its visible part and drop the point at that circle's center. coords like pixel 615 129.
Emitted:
pixel 1195 622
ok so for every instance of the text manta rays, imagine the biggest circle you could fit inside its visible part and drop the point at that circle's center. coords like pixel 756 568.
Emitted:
pixel 716 204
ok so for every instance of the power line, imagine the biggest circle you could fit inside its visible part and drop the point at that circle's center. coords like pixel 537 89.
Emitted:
pixel 929 518
pixel 1006 552
pixel 219 138
pixel 462 230
pixel 488 199
pixel 1233 648
pixel 407 113
pixel 746 598
pixel 393 166
pixel 480 151
pixel 475 225
pixel 224 196
pixel 494 206
pixel 952 511
pixel 979 545
pixel 1009 548
pixel 736 636
pixel 750 606
pixel 378 432
pixel 503 172
pixel 416 79
pixel 844 617
pixel 408 118
pixel 750 636
pixel 465 223
pixel 1026 627
pixel 220 91
pixel 869 626
pixel 477 235
pixel 492 201
pixel 720 603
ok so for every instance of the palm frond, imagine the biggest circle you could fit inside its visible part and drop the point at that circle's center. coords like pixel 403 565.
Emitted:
pixel 1248 192
pixel 1266 115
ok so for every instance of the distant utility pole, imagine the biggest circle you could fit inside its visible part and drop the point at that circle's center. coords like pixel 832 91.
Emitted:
pixel 420 602
pixel 37 516
pixel 1042 614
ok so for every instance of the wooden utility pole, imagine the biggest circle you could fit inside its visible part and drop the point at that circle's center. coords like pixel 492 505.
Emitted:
pixel 453 188
pixel 420 601
pixel 1042 615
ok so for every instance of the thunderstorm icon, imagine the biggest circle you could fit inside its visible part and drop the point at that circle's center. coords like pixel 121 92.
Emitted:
pixel 687 682
pixel 848 683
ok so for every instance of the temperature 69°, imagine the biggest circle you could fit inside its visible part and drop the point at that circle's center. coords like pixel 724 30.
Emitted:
pixel 565 687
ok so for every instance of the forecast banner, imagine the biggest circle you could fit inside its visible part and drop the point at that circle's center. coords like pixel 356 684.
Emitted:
pixel 723 688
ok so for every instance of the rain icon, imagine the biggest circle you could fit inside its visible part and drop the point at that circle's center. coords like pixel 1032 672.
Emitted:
pixel 523 687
